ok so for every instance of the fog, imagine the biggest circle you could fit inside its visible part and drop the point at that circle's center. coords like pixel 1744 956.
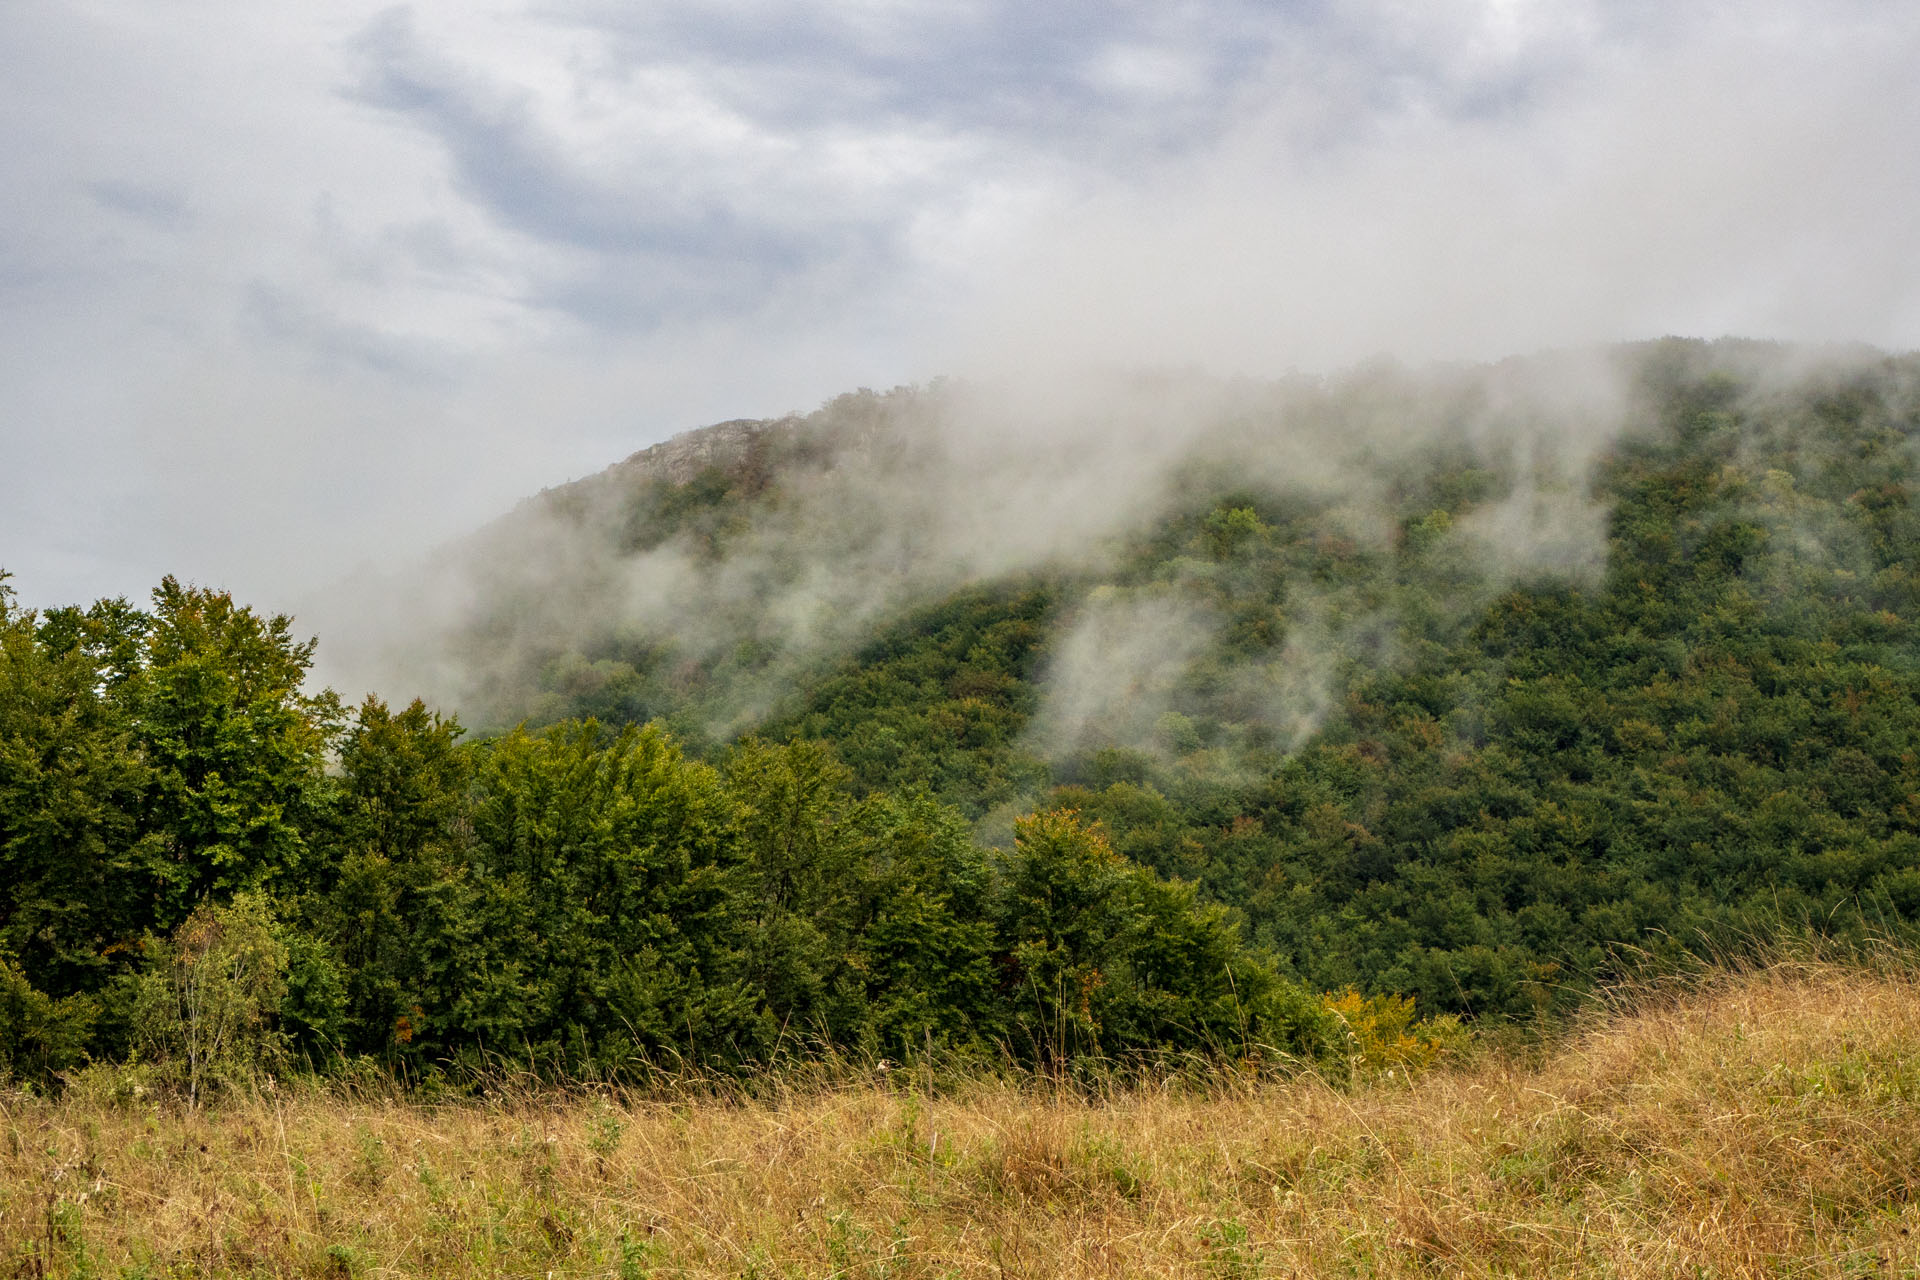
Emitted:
pixel 296 304
pixel 879 504
pixel 286 294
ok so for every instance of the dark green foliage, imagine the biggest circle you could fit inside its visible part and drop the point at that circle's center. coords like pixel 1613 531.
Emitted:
pixel 148 762
pixel 591 913
pixel 1715 740
pixel 39 1035
pixel 590 900
pixel 922 944
pixel 79 863
pixel 939 700
pixel 868 924
pixel 1102 956
pixel 399 887
pixel 1408 752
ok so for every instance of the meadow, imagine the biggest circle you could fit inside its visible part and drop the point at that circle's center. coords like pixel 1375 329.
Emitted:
pixel 1756 1123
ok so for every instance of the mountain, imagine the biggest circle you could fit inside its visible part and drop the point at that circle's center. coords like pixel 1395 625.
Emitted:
pixel 1458 682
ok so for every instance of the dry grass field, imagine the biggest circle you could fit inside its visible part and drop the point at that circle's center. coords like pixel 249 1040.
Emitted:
pixel 1762 1124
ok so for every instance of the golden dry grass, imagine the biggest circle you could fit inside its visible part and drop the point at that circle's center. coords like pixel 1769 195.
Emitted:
pixel 1767 1124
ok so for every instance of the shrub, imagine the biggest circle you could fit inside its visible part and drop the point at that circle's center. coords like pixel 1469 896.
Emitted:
pixel 39 1035
pixel 1382 1033
pixel 205 1008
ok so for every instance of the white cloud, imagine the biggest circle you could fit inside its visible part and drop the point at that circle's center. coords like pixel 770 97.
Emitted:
pixel 282 289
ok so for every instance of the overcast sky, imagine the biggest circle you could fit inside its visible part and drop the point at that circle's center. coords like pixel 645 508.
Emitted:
pixel 285 289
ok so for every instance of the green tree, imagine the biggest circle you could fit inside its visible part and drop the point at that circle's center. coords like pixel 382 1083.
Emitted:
pixel 39 1035
pixel 398 899
pixel 78 865
pixel 869 925
pixel 598 916
pixel 1103 957
pixel 235 745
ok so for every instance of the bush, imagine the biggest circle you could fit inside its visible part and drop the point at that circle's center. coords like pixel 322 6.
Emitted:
pixel 39 1035
pixel 1382 1033
pixel 204 1010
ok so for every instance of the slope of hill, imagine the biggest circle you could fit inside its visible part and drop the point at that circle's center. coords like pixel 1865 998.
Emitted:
pixel 1451 682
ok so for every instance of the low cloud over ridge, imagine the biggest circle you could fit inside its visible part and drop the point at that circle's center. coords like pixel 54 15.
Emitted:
pixel 286 291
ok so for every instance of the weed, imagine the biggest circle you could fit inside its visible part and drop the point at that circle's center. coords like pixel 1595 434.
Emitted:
pixel 370 1171
pixel 1228 1253
pixel 604 1129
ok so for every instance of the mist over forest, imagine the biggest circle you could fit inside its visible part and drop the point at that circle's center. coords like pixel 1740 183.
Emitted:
pixel 1235 549
pixel 1115 721
pixel 770 547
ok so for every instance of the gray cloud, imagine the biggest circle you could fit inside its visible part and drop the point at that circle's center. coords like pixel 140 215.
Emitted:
pixel 1075 77
pixel 151 203
pixel 283 290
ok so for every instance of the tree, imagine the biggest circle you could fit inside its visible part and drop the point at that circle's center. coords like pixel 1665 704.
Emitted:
pixel 597 918
pixel 1102 957
pixel 870 914
pixel 399 891
pixel 235 745
pixel 39 1035
pixel 78 865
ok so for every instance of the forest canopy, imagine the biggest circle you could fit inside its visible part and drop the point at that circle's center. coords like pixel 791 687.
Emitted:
pixel 1463 723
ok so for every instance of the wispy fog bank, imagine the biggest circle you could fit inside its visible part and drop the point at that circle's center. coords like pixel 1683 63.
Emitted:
pixel 286 291
pixel 762 550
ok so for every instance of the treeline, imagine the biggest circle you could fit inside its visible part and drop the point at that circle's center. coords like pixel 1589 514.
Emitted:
pixel 197 858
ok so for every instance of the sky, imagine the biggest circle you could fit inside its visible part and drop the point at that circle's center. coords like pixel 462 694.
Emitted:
pixel 287 291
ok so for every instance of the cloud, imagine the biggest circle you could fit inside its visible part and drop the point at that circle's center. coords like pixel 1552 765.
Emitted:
pixel 283 289
pixel 1113 673
pixel 1742 170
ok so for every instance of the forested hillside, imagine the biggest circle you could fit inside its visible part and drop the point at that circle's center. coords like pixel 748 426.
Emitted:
pixel 915 724
pixel 1458 683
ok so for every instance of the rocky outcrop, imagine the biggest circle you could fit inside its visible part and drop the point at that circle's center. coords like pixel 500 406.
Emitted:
pixel 725 445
